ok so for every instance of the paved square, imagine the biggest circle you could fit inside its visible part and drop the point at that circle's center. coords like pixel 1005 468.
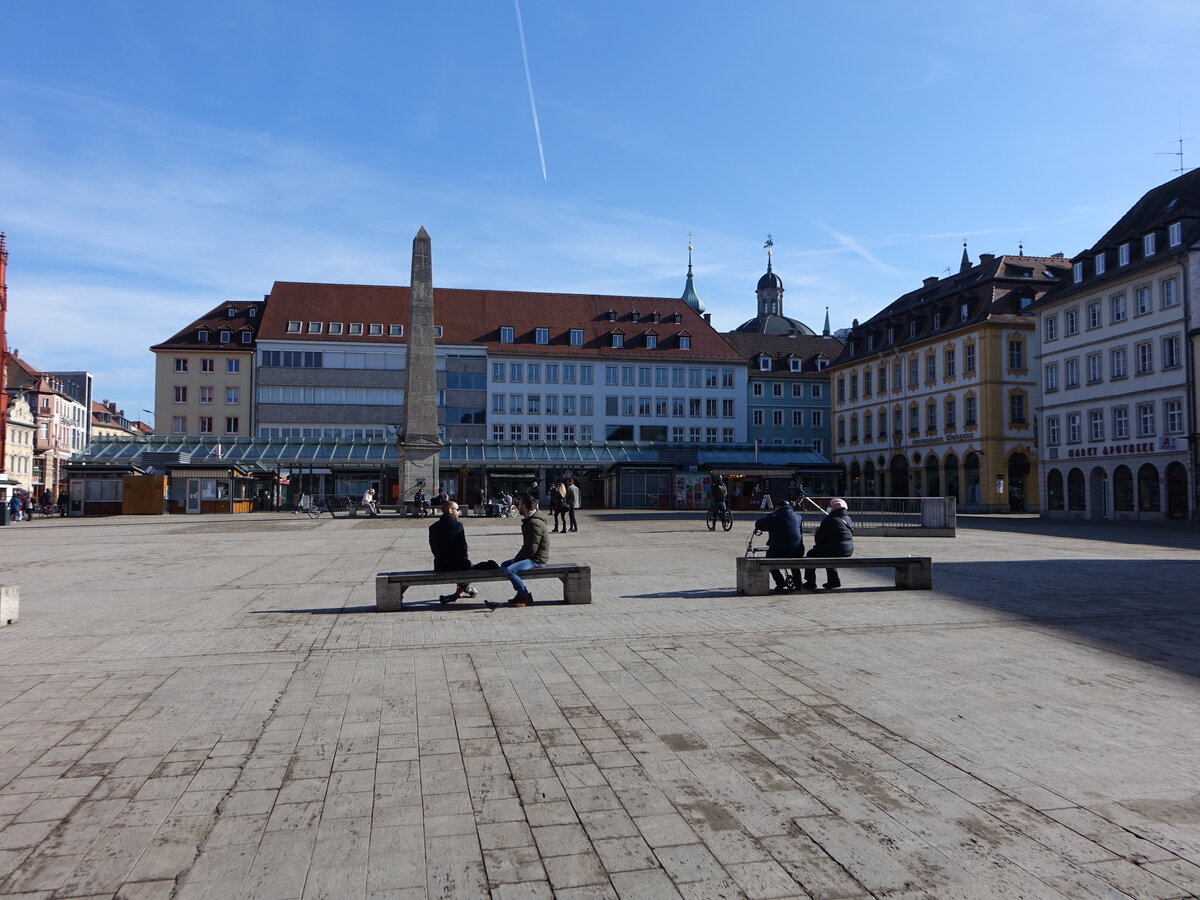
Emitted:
pixel 210 707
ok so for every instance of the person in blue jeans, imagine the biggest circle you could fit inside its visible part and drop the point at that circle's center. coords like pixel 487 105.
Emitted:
pixel 534 552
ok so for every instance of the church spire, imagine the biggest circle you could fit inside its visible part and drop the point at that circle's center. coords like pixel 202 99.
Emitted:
pixel 690 297
pixel 826 332
pixel 966 260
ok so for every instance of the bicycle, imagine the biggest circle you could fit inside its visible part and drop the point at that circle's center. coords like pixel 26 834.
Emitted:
pixel 46 510
pixel 331 505
pixel 722 515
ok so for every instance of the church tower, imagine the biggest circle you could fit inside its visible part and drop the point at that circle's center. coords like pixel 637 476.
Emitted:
pixel 690 297
pixel 770 288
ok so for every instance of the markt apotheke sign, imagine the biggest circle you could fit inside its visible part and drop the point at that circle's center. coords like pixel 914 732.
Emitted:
pixel 1122 449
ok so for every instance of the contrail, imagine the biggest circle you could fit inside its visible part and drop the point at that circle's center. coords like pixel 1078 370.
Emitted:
pixel 537 130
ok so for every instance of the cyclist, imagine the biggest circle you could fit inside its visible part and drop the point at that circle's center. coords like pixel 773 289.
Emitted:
pixel 718 495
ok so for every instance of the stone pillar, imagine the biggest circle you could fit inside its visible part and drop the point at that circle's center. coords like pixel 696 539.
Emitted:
pixel 418 442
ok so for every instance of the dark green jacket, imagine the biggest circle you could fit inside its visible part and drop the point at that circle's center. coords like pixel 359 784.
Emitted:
pixel 535 532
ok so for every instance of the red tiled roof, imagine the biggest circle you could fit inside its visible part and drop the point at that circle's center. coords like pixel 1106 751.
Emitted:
pixel 474 317
pixel 216 320
pixel 805 346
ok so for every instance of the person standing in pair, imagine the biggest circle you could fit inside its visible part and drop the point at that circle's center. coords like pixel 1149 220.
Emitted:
pixel 558 505
pixel 784 539
pixel 573 500
pixel 834 537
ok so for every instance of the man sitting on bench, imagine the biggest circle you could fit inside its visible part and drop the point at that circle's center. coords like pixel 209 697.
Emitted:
pixel 448 541
pixel 834 537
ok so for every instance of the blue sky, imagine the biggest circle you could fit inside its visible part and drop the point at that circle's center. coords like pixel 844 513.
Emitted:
pixel 160 158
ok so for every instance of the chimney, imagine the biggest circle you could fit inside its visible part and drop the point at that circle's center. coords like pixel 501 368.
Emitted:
pixel 708 318
pixel 932 279
pixel 985 258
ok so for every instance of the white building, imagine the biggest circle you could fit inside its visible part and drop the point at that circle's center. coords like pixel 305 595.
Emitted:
pixel 1118 413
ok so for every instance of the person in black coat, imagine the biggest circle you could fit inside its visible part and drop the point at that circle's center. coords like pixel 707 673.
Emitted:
pixel 784 539
pixel 448 541
pixel 834 537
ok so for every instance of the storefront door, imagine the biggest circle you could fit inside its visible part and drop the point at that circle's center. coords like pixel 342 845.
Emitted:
pixel 193 496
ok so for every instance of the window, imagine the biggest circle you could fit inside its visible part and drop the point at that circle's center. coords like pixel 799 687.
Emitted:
pixel 797 418
pixel 1072 373
pixel 1077 271
pixel 1118 308
pixel 585 374
pixel 644 376
pixel 393 330
pixel 1123 255
pixel 576 337
pixel 1120 362
pixel 1120 423
pixel 516 432
pixel 914 418
pixel 535 432
pixel 375 329
pixel 757 417
pixel 1051 379
pixel 618 339
pixel 1096 425
pixel 969 411
pixel 437 331
pixel 293 327
pixel 1053 431
pixel 764 364
pixel 817 391
pixel 224 336
pixel 610 374
pixel 517 401
pixel 181 364
pixel 912 328
pixel 516 372
pixel 931 416
pixel 1143 301
pixel 841 390
pixel 1173 414
pixel 867 383
pixel 1175 234
pixel 1099 261
pixel 1145 358
pixel 247 337
pixel 179 425
pixel 232 395
pixel 314 327
pixel 914 372
pixel 1016 354
pixel 1093 315
pixel 777 421
pixel 506 334
pixel 661 407
pixel 1016 409
pixel 1148 245
pixel 693 407
pixel 1074 429
pixel 685 342
pixel 498 432
pixel 355 328
pixel 541 335
pixel 795 364
pixel 208 366
pixel 867 423
pixel 756 389
pixel 1171 352
pixel 627 406
pixel 1071 321
pixel 726 378
pixel 1170 296
pixel 231 312
pixel 930 367
pixel 568 404
pixel 498 371
pixel 1145 414
pixel 776 389
pixel 797 392
pixel 1095 372
pixel 817 418
pixel 969 359
pixel 180 393
pixel 1050 327
pixel 841 431
pixel 533 404
pixel 206 425
pixel 883 379
pixel 937 323
pixel 206 393
pixel 335 327
pixel 651 341
pixel 710 378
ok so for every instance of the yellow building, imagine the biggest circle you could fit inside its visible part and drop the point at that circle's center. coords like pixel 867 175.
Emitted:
pixel 18 444
pixel 935 396
pixel 204 375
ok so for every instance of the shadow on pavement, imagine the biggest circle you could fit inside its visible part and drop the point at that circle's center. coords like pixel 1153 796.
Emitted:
pixel 1145 608
pixel 1181 535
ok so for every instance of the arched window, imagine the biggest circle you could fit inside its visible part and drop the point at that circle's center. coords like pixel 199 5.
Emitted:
pixel 1122 489
pixel 1148 491
pixel 1075 494
pixel 1054 490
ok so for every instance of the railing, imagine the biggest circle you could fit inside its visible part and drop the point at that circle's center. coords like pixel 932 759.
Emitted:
pixel 911 516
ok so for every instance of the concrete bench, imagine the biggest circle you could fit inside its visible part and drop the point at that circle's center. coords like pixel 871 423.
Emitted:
pixel 390 586
pixel 754 572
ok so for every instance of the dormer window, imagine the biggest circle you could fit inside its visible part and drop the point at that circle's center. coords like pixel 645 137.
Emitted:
pixel 891 334
pixel 224 337
pixel 1123 255
pixel 764 364
pixel 655 317
pixel 293 327
pixel 612 315
pixel 247 337
pixel 1077 272
pixel 1175 234
pixel 541 335
pixel 314 327
pixel 912 328
pixel 677 318
pixel 618 339
pixel 355 328
pixel 202 335
pixel 1025 301
pixel 231 312
pixel 1099 261
pixel 376 329
pixel 937 323
pixel 821 363
pixel 506 334
pixel 635 316
pixel 964 310
pixel 685 341
pixel 576 337
pixel 437 331
pixel 395 331
pixel 871 337
pixel 651 340
pixel 335 327
pixel 252 312
pixel 1148 245
pixel 795 364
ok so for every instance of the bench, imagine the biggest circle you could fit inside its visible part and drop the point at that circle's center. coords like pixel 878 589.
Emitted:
pixel 390 586
pixel 754 572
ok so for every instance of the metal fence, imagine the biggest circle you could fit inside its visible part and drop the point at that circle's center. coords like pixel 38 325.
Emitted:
pixel 911 516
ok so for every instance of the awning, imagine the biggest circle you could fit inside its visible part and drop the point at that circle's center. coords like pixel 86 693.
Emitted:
pixel 751 470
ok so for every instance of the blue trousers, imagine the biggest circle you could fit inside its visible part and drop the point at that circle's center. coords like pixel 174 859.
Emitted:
pixel 514 569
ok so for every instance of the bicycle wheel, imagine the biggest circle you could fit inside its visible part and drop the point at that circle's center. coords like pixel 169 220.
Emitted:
pixel 726 520
pixel 712 521
pixel 314 510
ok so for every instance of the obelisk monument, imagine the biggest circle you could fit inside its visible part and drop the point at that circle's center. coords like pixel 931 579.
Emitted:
pixel 418 441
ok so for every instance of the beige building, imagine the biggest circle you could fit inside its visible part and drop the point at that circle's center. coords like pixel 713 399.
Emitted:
pixel 935 395
pixel 18 444
pixel 204 375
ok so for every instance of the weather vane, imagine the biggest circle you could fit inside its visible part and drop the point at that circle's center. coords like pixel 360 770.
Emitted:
pixel 769 244
pixel 689 242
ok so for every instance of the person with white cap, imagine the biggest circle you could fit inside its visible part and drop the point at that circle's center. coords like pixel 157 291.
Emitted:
pixel 833 537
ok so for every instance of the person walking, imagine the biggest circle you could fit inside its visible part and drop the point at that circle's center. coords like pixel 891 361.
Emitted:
pixel 63 501
pixel 448 541
pixel 833 537
pixel 534 552
pixel 14 507
pixel 573 500
pixel 784 539
pixel 558 505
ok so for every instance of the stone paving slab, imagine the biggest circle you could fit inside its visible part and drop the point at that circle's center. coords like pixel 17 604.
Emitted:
pixel 211 707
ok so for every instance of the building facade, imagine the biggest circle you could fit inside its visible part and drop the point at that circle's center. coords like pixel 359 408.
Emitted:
pixel 1118 367
pixel 935 395
pixel 204 375
pixel 18 444
pixel 59 404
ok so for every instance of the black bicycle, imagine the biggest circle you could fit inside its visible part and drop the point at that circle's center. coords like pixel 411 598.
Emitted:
pixel 719 514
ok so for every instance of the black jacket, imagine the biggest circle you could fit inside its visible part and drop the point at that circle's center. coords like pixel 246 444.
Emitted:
pixel 448 541
pixel 784 535
pixel 835 535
